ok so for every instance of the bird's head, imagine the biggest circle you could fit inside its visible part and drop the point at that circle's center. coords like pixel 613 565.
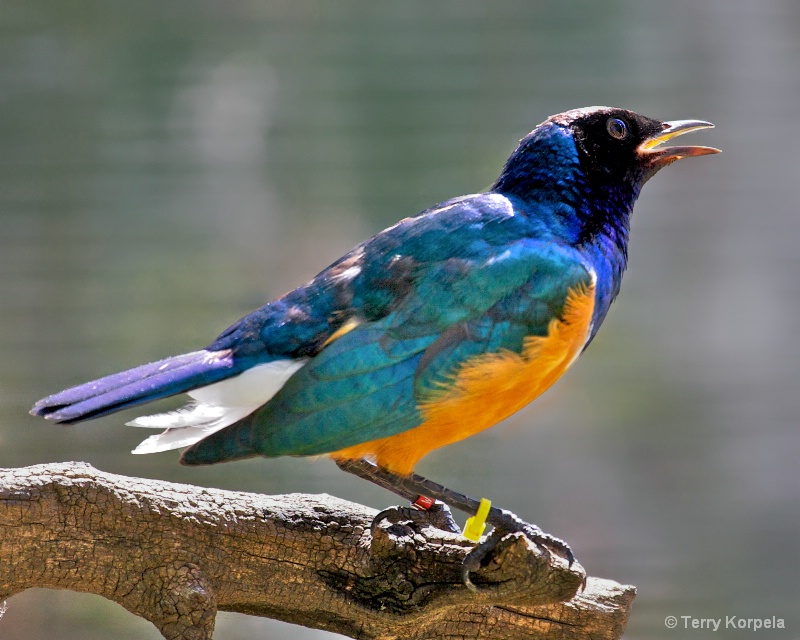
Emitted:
pixel 615 145
pixel 596 160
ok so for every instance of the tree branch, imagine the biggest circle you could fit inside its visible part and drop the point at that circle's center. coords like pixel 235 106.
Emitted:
pixel 176 554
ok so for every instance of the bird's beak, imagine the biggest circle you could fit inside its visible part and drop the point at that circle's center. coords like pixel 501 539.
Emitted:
pixel 657 158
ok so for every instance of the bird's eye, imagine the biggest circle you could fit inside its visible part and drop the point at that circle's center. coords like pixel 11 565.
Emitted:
pixel 617 129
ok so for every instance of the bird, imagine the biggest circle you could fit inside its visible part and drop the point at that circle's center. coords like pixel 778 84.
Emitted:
pixel 433 330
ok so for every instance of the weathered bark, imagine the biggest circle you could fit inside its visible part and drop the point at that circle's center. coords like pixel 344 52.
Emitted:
pixel 176 554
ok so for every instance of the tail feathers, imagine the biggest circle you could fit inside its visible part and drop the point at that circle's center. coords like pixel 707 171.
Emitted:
pixel 217 406
pixel 187 426
pixel 233 443
pixel 137 386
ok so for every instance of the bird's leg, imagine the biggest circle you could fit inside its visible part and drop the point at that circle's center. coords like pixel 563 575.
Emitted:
pixel 414 487
pixel 430 509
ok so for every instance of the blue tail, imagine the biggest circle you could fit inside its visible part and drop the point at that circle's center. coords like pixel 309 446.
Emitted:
pixel 146 383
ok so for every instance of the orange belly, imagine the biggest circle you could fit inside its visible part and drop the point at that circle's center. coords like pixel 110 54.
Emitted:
pixel 486 389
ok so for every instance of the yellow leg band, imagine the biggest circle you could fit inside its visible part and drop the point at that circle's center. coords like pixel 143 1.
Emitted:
pixel 476 525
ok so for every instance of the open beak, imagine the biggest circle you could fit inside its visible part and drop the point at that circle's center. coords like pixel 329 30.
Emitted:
pixel 656 158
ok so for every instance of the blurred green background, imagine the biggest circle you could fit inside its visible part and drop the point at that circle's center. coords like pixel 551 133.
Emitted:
pixel 167 166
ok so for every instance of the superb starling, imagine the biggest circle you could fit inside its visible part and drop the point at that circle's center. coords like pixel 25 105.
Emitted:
pixel 430 331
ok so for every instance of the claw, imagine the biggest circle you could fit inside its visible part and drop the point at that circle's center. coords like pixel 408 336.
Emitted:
pixel 437 516
pixel 472 561
pixel 511 523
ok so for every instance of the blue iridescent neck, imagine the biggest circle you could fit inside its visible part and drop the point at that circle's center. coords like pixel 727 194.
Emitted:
pixel 543 168
pixel 582 206
pixel 546 169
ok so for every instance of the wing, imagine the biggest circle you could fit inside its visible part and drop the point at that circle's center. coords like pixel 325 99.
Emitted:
pixel 370 381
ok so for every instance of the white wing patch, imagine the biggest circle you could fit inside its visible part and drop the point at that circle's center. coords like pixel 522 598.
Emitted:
pixel 216 406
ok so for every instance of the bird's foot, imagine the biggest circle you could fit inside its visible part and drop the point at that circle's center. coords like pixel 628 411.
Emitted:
pixel 411 487
pixel 437 515
pixel 504 523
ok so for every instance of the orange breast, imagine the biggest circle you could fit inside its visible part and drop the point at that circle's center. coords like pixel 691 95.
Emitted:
pixel 486 389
